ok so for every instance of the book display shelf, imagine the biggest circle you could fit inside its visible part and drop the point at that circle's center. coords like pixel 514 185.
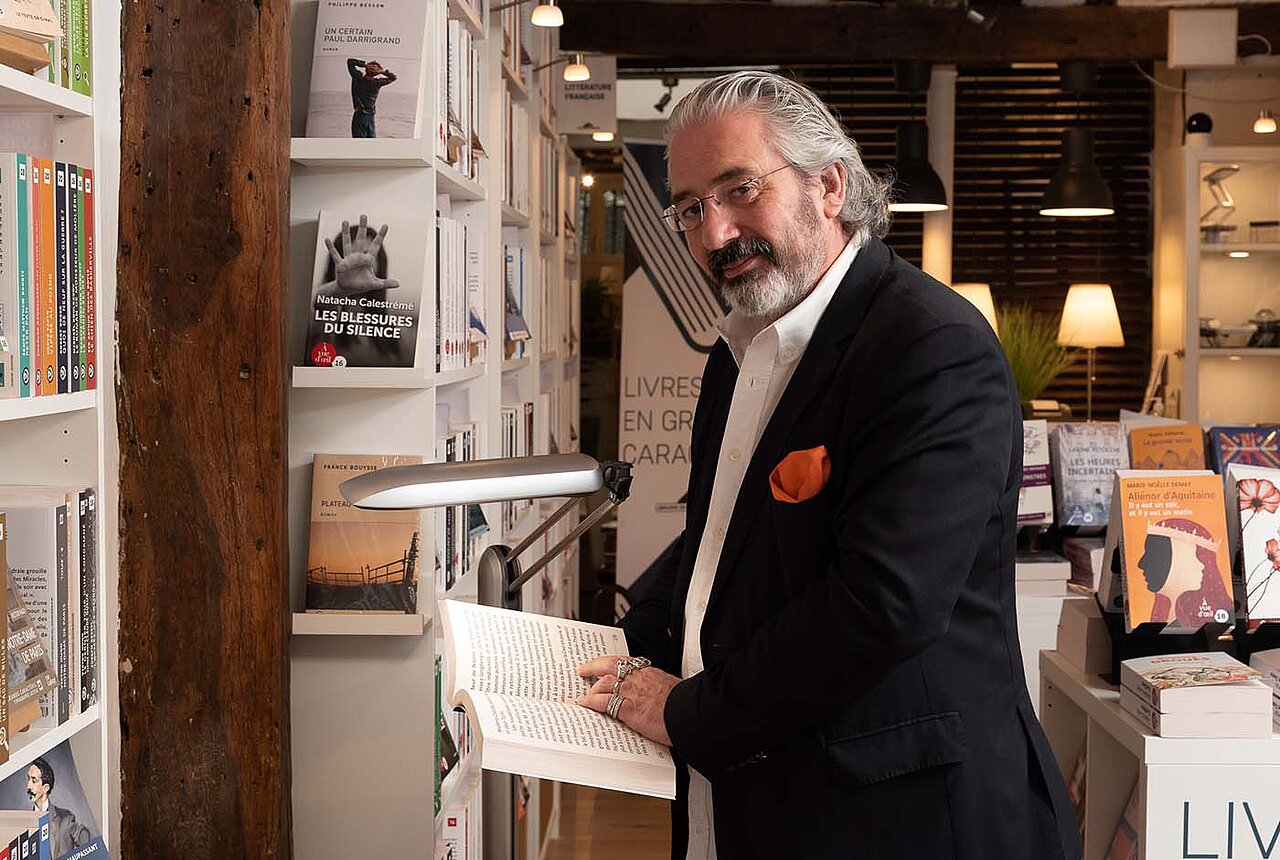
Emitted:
pixel 496 186
pixel 1195 797
pixel 68 440
pixel 1223 308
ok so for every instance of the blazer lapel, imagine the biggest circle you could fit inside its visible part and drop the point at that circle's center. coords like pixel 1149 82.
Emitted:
pixel 840 322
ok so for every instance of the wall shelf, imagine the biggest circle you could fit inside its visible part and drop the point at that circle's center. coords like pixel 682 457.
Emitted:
pixel 25 747
pixel 1227 352
pixel 360 377
pixel 20 91
pixel 519 91
pixel 57 404
pixel 513 217
pixel 358 624
pixel 461 10
pixel 346 152
pixel 449 181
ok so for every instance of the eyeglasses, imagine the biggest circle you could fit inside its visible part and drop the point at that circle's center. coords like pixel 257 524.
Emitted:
pixel 735 193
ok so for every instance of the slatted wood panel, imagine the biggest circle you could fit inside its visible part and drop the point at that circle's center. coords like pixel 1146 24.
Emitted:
pixel 866 101
pixel 1009 125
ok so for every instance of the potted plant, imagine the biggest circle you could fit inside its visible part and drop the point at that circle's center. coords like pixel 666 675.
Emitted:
pixel 1030 341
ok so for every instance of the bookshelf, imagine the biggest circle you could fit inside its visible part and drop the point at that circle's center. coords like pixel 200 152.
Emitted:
pixel 69 440
pixel 363 687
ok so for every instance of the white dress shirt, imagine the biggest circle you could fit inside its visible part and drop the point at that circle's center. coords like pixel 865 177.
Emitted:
pixel 765 366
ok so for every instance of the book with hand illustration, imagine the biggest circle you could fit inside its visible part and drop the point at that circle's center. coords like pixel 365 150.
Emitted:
pixel 515 673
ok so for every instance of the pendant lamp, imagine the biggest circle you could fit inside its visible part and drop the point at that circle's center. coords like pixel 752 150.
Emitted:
pixel 1077 190
pixel 916 187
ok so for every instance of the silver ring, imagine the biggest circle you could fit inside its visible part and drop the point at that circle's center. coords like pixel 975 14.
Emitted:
pixel 640 663
pixel 625 667
pixel 615 705
pixel 617 684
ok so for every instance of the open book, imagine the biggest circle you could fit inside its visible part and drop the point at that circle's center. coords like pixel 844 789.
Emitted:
pixel 515 673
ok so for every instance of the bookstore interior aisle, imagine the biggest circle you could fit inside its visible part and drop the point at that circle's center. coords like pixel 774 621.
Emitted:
pixel 58 462
pixel 466 198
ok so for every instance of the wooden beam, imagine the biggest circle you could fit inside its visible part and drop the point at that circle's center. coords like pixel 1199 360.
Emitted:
pixel 689 34
pixel 202 273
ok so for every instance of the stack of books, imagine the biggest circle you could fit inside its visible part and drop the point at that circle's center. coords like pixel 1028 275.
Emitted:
pixel 1268 663
pixel 1207 695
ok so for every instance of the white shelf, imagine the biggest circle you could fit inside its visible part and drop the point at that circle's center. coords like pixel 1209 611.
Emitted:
pixel 456 377
pixel 449 181
pixel 459 783
pixel 360 377
pixel 511 365
pixel 519 91
pixel 547 239
pixel 1222 248
pixel 549 356
pixel 461 10
pixel 25 747
pixel 1101 702
pixel 18 90
pixel 56 404
pixel 1228 352
pixel 358 624
pixel 548 130
pixel 513 217
pixel 349 152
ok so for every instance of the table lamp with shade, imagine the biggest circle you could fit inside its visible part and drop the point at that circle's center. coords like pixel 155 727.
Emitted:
pixel 1090 320
pixel 499 571
pixel 979 295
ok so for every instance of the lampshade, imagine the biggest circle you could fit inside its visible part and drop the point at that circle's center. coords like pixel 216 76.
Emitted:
pixel 916 187
pixel 602 136
pixel 979 295
pixel 577 71
pixel 547 14
pixel 1077 190
pixel 1265 123
pixel 1089 318
pixel 474 481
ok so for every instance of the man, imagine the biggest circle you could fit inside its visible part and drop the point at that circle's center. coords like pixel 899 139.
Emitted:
pixel 366 80
pixel 842 609
pixel 65 833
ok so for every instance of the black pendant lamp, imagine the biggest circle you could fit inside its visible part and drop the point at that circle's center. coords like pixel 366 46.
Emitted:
pixel 916 186
pixel 1077 190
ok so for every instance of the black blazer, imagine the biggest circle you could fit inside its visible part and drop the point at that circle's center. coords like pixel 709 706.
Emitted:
pixel 863 693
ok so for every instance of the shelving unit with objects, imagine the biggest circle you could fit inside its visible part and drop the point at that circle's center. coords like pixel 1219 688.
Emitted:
pixel 1221 311
pixel 364 687
pixel 1196 797
pixel 64 435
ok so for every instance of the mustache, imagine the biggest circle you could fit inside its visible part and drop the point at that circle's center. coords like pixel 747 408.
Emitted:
pixel 736 251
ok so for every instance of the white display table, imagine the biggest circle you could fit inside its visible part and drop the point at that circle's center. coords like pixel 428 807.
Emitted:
pixel 1199 798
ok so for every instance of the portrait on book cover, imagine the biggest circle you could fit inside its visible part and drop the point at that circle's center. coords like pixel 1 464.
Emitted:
pixel 51 784
pixel 1182 564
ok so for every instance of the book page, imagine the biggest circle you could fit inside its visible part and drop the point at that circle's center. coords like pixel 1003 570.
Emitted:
pixel 562 726
pixel 519 653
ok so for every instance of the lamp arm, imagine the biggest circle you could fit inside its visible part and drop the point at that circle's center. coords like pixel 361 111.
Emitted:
pixel 595 517
pixel 508 5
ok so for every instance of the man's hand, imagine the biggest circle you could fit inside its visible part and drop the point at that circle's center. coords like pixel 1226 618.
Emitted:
pixel 645 693
pixel 355 269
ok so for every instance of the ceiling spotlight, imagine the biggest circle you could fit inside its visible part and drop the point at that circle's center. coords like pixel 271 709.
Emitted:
pixel 577 71
pixel 588 180
pixel 602 136
pixel 547 14
pixel 1265 123
pixel 1238 255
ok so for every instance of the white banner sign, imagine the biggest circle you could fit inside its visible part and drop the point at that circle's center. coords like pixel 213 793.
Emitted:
pixel 584 107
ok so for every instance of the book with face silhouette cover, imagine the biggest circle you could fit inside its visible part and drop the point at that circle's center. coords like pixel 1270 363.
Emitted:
pixel 1175 562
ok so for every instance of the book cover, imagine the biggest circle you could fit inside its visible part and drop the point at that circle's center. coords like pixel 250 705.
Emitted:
pixel 367 289
pixel 1253 517
pixel 1248 446
pixel 30 19
pixel 1175 446
pixel 1035 496
pixel 85 589
pixel 1087 456
pixel 48 276
pixel 1200 723
pixel 4 644
pixel 368 69
pixel 61 283
pixel 53 779
pixel 360 560
pixel 90 287
pixel 1150 676
pixel 31 672
pixel 1173 541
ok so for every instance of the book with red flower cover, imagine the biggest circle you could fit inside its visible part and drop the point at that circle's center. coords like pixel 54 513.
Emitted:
pixel 1253 517
pixel 1127 841
pixel 1168 446
pixel 1176 564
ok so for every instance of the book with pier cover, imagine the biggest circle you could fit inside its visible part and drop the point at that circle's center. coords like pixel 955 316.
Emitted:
pixel 515 673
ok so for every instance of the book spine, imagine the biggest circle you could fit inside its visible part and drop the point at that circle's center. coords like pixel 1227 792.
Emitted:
pixel 49 281
pixel 22 220
pixel 88 601
pixel 10 334
pixel 75 293
pixel 64 293
pixel 4 647
pixel 82 43
pixel 36 284
pixel 62 638
pixel 64 44
pixel 90 286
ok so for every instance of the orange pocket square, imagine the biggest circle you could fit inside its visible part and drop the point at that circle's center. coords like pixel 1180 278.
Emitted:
pixel 801 475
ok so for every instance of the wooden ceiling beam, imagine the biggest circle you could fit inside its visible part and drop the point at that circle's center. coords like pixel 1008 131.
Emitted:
pixel 692 34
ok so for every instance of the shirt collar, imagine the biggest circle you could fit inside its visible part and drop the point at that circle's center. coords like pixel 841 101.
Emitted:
pixel 792 331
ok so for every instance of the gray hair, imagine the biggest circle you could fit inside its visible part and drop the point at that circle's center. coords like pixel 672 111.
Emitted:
pixel 803 129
